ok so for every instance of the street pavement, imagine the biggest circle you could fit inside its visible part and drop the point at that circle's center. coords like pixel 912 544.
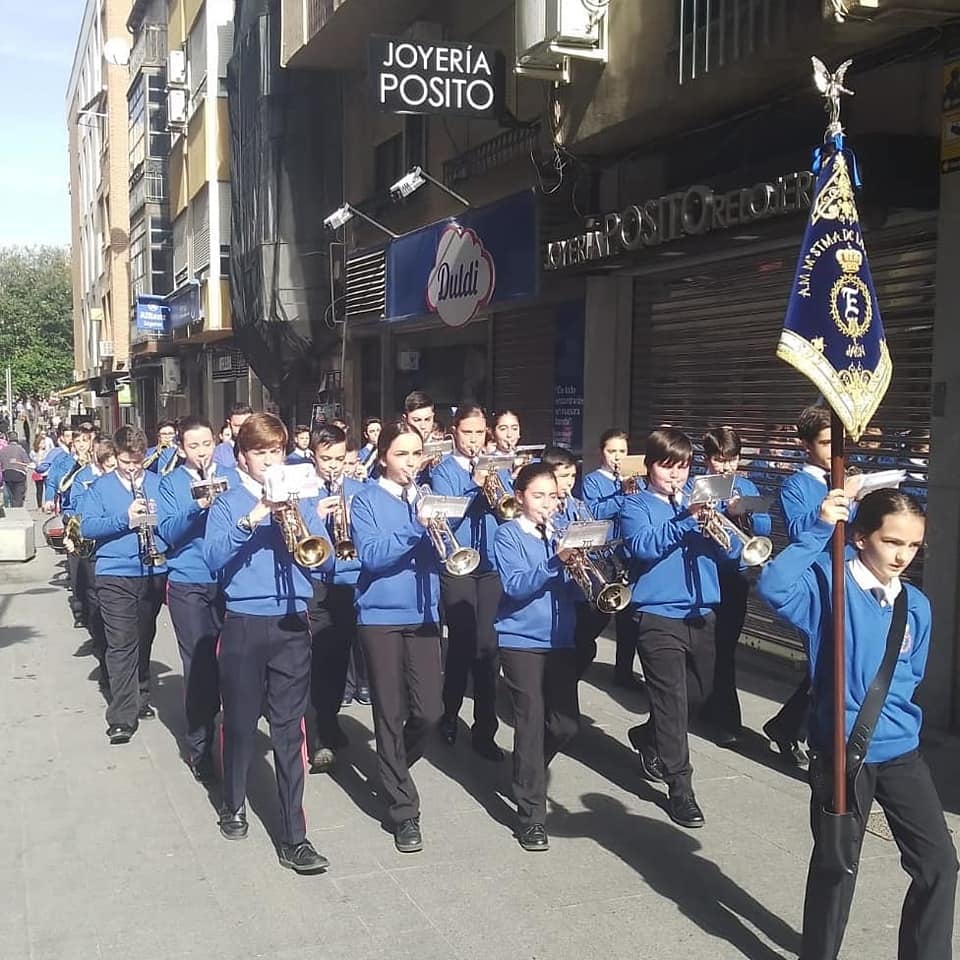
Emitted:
pixel 113 853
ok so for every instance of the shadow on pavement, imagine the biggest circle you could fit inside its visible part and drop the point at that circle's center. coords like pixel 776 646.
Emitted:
pixel 355 771
pixel 666 857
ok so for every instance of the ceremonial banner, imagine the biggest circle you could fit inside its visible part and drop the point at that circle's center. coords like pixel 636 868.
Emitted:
pixel 833 333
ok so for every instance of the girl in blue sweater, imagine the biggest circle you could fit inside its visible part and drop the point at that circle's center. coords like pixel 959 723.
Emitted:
pixel 535 631
pixel 398 591
pixel 886 534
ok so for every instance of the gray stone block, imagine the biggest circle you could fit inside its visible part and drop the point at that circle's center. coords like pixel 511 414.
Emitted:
pixel 17 536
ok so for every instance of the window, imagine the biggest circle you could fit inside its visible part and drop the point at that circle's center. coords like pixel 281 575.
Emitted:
pixel 159 145
pixel 197 57
pixel 138 259
pixel 161 256
pixel 135 115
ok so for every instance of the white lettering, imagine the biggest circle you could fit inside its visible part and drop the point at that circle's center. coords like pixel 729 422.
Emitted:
pixel 405 95
pixel 409 58
pixel 388 84
pixel 480 95
pixel 481 65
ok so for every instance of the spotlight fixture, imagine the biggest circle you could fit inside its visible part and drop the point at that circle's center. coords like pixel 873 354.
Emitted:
pixel 343 215
pixel 410 183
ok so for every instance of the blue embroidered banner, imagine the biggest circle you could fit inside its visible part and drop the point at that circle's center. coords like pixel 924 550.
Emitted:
pixel 833 332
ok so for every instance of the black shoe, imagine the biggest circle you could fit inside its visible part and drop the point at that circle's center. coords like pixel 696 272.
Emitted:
pixel 488 750
pixel 79 622
pixel 650 762
pixel 407 837
pixel 323 760
pixel 534 838
pixel 120 733
pixel 202 768
pixel 789 750
pixel 233 826
pixel 147 712
pixel 347 700
pixel 448 729
pixel 363 696
pixel 685 811
pixel 302 857
pixel 724 738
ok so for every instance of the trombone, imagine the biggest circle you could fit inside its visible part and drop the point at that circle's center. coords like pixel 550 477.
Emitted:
pixel 458 561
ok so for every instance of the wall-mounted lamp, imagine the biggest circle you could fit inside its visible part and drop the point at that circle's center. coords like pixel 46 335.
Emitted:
pixel 415 179
pixel 343 215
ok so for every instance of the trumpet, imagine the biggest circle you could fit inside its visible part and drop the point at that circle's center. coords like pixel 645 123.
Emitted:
pixel 630 484
pixel 343 546
pixel 754 551
pixel 503 504
pixel 601 577
pixel 458 561
pixel 150 556
pixel 283 487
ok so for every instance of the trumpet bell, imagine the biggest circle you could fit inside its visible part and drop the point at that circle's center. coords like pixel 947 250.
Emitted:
pixel 346 550
pixel 613 598
pixel 312 552
pixel 508 508
pixel 756 551
pixel 462 561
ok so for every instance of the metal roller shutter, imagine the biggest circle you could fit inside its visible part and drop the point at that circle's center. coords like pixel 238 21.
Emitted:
pixel 704 355
pixel 523 362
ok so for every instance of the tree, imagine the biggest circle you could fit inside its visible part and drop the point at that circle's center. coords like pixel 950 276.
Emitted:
pixel 36 319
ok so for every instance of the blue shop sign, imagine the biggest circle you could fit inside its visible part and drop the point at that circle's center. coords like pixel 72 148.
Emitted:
pixel 184 305
pixel 151 313
pixel 456 267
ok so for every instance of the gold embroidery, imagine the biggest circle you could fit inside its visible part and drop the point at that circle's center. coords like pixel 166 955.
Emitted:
pixel 836 200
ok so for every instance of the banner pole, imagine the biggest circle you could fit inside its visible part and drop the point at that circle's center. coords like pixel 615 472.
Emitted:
pixel 837 480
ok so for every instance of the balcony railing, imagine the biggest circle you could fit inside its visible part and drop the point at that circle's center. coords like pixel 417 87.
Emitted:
pixel 150 48
pixel 716 33
pixel 319 12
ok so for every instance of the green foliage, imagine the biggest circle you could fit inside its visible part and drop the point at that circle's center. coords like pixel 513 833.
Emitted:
pixel 36 319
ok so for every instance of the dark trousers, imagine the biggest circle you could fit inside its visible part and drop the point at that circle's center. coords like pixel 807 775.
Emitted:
pixel 405 682
pixel 791 721
pixel 905 790
pixel 269 654
pixel 589 626
pixel 678 658
pixel 469 607
pixel 546 715
pixel 77 604
pixel 333 627
pixel 196 610
pixel 626 634
pixel 16 484
pixel 723 707
pixel 357 676
pixel 87 575
pixel 39 485
pixel 129 607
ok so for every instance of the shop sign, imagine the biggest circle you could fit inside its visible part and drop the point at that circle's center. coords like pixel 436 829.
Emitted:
pixel 454 79
pixel 456 267
pixel 151 314
pixel 463 276
pixel 693 212
pixel 185 306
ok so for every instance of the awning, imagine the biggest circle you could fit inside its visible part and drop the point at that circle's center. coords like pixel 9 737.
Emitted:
pixel 73 390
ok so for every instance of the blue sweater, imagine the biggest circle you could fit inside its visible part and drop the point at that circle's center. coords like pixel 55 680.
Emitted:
pixel 182 525
pixel 257 573
pixel 297 455
pixel 479 525
pixel 399 583
pixel 165 457
pixel 346 572
pixel 760 523
pixel 105 519
pixel 802 596
pixel 674 565
pixel 537 609
pixel 224 456
pixel 61 464
pixel 603 498
pixel 79 489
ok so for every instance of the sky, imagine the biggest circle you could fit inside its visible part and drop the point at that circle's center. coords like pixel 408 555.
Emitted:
pixel 37 41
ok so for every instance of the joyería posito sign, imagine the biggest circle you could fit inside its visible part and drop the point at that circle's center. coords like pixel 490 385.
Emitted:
pixel 460 79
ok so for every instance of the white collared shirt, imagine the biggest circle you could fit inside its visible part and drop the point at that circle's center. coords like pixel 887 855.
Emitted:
pixel 817 472
pixel 409 493
pixel 528 526
pixel 463 462
pixel 195 474
pixel 251 485
pixel 866 580
pixel 124 482
pixel 604 472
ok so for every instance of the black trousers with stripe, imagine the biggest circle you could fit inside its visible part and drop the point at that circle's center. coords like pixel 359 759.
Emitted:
pixel 269 655
pixel 196 610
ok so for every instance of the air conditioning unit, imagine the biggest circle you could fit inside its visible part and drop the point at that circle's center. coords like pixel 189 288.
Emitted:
pixel 838 11
pixel 548 31
pixel 176 107
pixel 170 381
pixel 176 68
pixel 106 348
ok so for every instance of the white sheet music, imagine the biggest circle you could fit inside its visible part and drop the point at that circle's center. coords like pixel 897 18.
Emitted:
pixel 586 533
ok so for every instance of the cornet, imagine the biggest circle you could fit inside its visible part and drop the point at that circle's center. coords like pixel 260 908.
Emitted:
pixel 343 546
pixel 754 551
pixel 503 504
pixel 601 577
pixel 458 561
pixel 150 556
pixel 283 487
pixel 629 484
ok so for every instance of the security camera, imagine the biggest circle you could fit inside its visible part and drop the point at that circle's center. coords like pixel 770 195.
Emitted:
pixel 408 184
pixel 339 217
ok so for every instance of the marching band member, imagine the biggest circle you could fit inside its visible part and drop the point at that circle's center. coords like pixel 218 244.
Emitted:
pixel 264 649
pixel 333 615
pixel 397 606
pixel 675 594
pixel 130 579
pixel 506 431
pixel 57 465
pixel 225 454
pixel 371 432
pixel 68 469
pixel 104 461
pixel 193 594
pixel 603 495
pixel 301 452
pixel 159 457
pixel 358 682
pixel 886 535
pixel 352 467
pixel 419 413
pixel 535 632
pixel 470 601
pixel 721 449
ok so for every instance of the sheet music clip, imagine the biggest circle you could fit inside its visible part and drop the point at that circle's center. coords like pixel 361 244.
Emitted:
pixel 744 505
pixel 713 487
pixel 586 534
pixel 453 508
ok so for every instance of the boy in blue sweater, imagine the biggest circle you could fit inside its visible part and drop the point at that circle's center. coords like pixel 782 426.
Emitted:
pixel 675 596
pixel 159 457
pixel 398 594
pixel 333 616
pixel 302 451
pixel 535 626
pixel 603 495
pixel 264 648
pixel 130 584
pixel 886 535
pixel 58 465
pixel 62 476
pixel 193 594
pixel 721 450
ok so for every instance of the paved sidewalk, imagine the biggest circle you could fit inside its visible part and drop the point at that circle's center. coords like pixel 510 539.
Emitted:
pixel 113 853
